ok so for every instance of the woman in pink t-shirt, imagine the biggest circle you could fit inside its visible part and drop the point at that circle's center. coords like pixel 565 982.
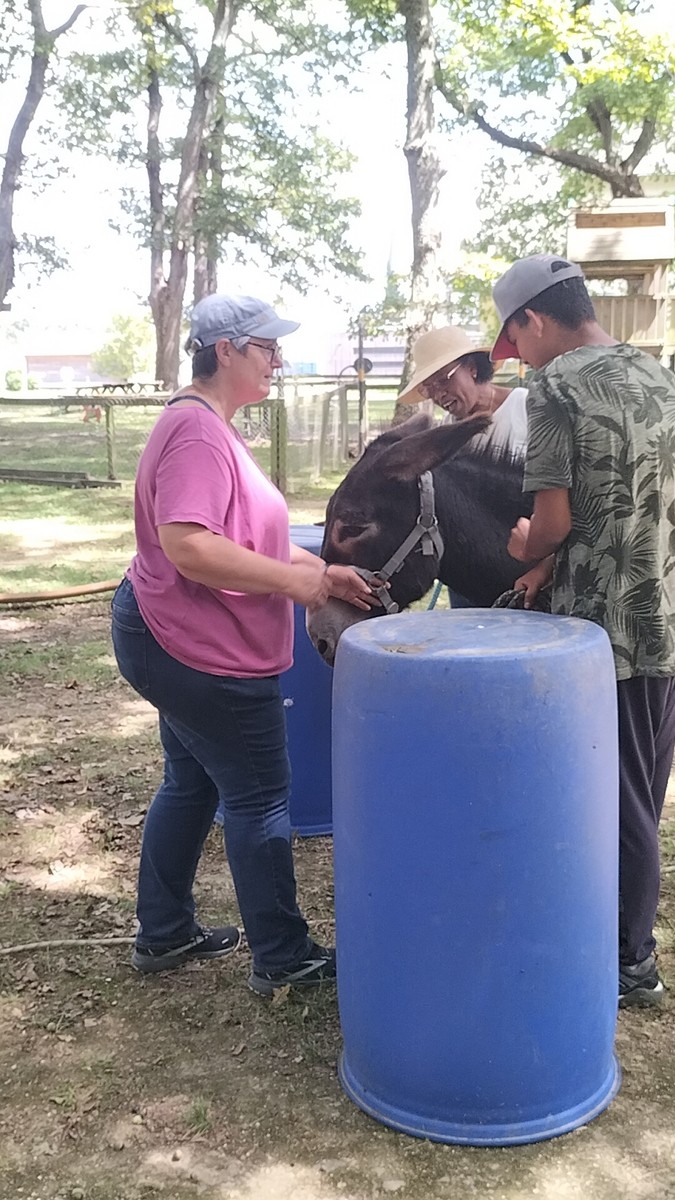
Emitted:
pixel 202 628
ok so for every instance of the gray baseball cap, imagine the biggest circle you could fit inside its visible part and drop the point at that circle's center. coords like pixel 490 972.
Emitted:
pixel 234 317
pixel 522 282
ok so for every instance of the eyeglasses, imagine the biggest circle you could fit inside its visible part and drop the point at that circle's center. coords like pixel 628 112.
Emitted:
pixel 274 350
pixel 437 382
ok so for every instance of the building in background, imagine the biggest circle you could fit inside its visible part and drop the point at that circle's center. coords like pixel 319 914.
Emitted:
pixel 628 247
pixel 64 371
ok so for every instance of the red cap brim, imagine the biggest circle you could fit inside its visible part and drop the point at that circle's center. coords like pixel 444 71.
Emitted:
pixel 503 348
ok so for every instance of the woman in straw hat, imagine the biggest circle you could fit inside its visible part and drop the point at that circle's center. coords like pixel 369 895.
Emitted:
pixel 458 376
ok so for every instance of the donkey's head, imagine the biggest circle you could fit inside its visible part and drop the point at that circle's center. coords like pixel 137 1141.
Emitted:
pixel 375 508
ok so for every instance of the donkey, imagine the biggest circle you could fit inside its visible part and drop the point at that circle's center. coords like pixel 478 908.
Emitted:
pixel 424 482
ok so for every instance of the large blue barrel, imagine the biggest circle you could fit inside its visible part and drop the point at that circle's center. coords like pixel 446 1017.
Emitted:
pixel 307 689
pixel 475 785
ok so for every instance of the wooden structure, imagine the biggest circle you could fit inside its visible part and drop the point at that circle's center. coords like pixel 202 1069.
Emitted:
pixel 634 241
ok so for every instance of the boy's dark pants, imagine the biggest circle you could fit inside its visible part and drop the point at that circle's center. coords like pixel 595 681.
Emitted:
pixel 646 741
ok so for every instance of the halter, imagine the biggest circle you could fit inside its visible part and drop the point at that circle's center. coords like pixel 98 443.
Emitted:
pixel 425 531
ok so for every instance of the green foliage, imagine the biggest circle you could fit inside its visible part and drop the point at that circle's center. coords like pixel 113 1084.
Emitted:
pixel 527 202
pixel 581 76
pixel 128 350
pixel 392 316
pixel 40 257
pixel 198 1116
pixel 585 75
pixel 16 37
pixel 381 18
pixel 271 191
pixel 14 381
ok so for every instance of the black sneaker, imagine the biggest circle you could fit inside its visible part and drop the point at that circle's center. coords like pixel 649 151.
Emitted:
pixel 317 967
pixel 640 983
pixel 208 943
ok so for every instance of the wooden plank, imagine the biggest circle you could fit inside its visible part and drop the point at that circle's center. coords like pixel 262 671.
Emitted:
pixel 618 220
pixel 74 479
pixel 40 472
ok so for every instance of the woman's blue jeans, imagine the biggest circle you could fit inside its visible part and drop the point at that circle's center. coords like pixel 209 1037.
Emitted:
pixel 224 740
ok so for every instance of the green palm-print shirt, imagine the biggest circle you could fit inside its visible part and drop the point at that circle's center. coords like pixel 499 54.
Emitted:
pixel 601 422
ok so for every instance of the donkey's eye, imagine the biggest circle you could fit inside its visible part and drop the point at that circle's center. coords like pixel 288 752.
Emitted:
pixel 351 532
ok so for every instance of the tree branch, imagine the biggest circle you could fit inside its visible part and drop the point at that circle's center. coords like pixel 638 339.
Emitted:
pixel 43 44
pixel 179 37
pixel 622 182
pixel 56 33
pixel 642 145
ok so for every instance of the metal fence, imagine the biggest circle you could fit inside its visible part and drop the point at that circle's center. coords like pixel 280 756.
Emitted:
pixel 307 431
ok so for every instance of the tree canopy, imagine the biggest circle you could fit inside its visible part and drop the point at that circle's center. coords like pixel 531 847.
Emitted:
pixel 585 84
pixel 207 100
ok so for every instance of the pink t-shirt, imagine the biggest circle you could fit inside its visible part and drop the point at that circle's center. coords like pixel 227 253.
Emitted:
pixel 195 468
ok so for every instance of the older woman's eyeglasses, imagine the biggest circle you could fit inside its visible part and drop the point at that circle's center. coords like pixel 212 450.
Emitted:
pixel 437 382
pixel 274 350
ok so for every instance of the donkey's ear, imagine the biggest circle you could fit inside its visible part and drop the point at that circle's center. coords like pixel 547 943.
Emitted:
pixel 423 451
pixel 417 424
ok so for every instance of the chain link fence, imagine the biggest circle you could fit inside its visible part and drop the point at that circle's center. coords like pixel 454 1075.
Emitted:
pixel 308 431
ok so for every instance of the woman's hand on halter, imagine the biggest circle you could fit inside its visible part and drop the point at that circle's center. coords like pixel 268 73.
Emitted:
pixel 313 582
pixel 347 584
pixel 309 584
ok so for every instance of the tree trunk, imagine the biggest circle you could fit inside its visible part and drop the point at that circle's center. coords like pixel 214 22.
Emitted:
pixel 425 174
pixel 168 291
pixel 205 251
pixel 153 164
pixel 43 45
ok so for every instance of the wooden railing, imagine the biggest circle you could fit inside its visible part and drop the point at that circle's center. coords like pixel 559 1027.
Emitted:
pixel 642 320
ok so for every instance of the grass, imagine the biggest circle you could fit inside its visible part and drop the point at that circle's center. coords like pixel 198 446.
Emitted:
pixel 53 537
pixel 198 1117
pixel 121 1088
pixel 63 663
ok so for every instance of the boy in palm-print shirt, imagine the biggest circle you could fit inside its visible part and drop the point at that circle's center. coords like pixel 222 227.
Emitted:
pixel 601 462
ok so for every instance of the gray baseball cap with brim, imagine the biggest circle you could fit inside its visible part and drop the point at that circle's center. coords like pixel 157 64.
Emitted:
pixel 523 281
pixel 233 317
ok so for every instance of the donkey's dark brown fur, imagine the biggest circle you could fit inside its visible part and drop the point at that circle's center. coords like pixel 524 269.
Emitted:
pixel 479 498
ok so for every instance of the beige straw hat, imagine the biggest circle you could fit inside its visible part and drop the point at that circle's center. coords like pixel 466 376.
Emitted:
pixel 433 350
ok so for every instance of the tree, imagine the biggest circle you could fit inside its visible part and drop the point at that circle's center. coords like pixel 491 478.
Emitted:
pixel 244 176
pixel 523 211
pixel 583 84
pixel 426 294
pixel 127 350
pixel 425 174
pixel 43 45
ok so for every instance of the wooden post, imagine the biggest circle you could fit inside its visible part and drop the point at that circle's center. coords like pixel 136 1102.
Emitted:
pixel 110 439
pixel 323 431
pixel 344 423
pixel 279 439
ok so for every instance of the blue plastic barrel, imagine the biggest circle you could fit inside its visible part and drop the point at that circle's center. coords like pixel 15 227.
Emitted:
pixel 475 817
pixel 307 689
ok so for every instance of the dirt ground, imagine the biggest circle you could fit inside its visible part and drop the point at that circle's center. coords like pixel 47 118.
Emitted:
pixel 116 1087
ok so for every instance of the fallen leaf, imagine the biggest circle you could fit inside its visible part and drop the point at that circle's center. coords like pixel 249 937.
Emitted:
pixel 132 820
pixel 280 995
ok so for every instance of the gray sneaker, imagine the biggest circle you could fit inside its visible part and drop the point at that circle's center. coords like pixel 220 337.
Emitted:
pixel 639 983
pixel 207 943
pixel 317 967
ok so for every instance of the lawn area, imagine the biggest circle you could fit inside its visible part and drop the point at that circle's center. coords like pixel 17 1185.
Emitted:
pixel 115 1086
pixel 54 537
